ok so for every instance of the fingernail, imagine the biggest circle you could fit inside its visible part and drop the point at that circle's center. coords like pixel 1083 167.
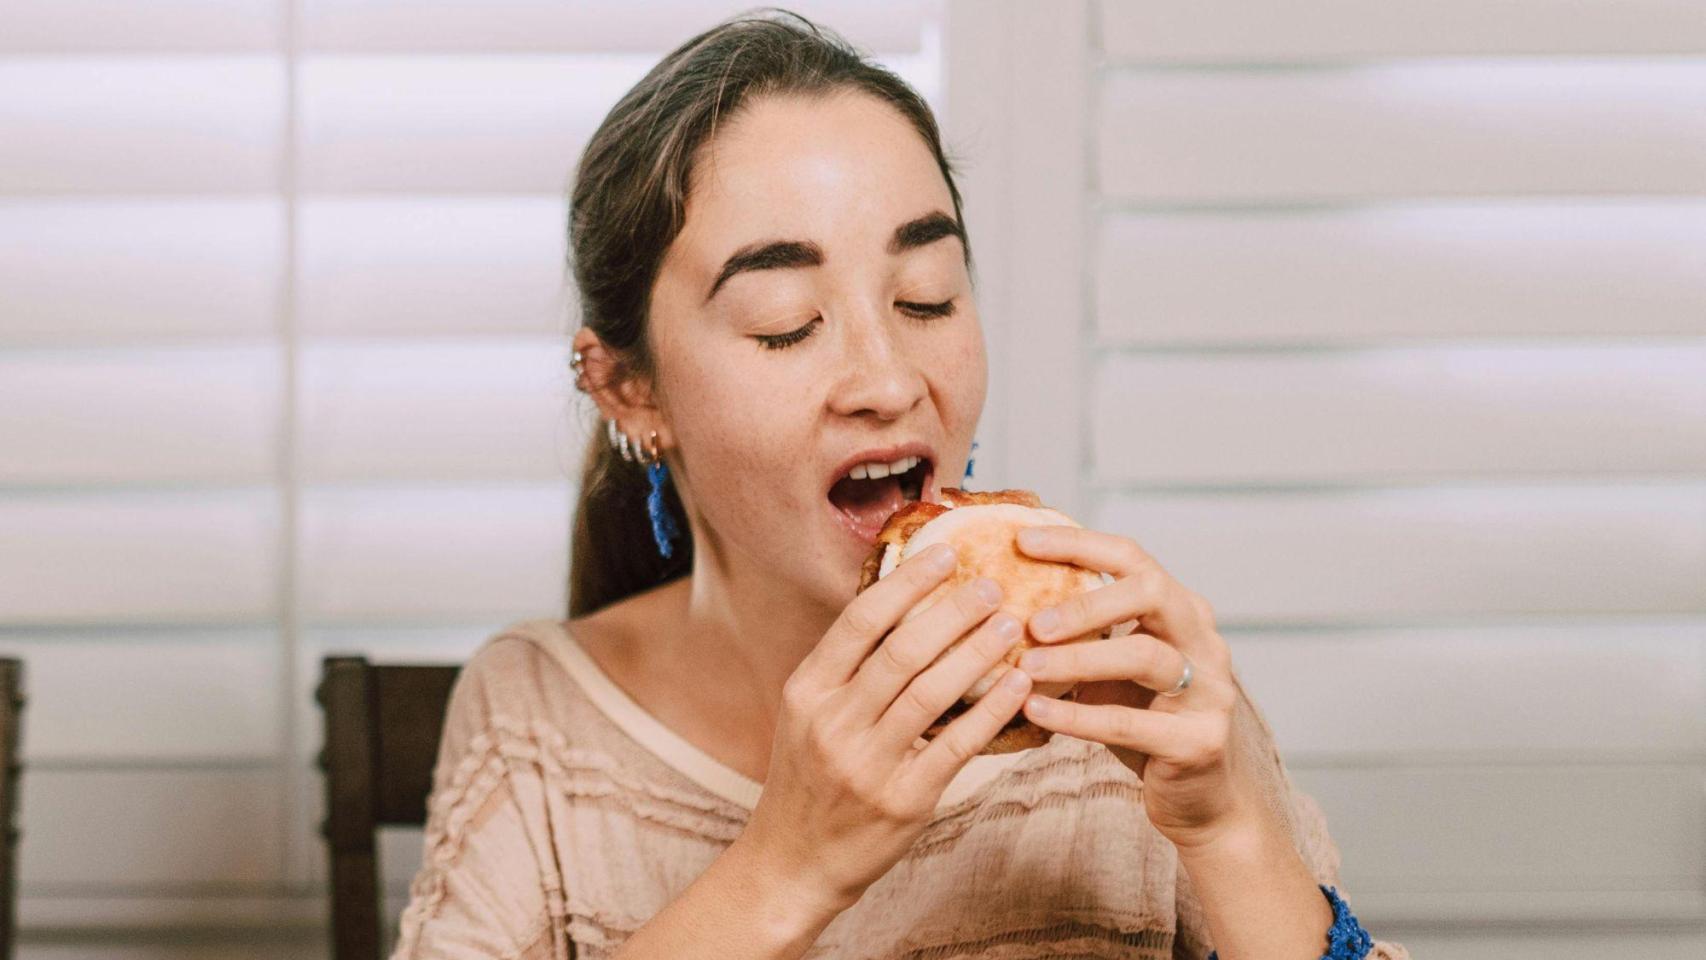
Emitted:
pixel 988 589
pixel 1033 661
pixel 1038 707
pixel 1045 622
pixel 943 557
pixel 1005 626
pixel 1014 680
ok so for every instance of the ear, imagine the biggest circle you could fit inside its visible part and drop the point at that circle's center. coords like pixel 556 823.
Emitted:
pixel 620 397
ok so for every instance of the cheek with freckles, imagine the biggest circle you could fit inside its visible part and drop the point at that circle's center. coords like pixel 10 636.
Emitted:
pixel 742 445
pixel 747 457
pixel 959 382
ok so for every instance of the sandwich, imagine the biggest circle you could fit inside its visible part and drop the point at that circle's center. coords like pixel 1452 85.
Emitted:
pixel 983 526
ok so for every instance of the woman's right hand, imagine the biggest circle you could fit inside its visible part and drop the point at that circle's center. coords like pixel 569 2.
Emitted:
pixel 849 788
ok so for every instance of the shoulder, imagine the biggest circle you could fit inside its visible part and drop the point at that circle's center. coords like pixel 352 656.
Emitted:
pixel 516 657
pixel 511 682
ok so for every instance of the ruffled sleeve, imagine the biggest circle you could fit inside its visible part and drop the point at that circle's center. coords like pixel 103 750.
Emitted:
pixel 1256 747
pixel 488 887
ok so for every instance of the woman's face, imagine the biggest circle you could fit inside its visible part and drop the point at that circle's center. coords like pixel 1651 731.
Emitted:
pixel 808 355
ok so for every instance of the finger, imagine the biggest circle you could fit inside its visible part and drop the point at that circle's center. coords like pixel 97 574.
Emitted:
pixel 873 613
pixel 922 701
pixel 917 643
pixel 1170 613
pixel 1169 736
pixel 971 731
pixel 1136 656
pixel 1094 610
pixel 1094 549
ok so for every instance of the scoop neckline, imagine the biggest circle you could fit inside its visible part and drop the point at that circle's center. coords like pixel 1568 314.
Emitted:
pixel 681 755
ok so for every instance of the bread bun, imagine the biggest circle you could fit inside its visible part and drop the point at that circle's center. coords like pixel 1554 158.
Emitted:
pixel 982 526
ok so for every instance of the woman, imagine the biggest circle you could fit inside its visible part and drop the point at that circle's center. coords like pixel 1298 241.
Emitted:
pixel 717 755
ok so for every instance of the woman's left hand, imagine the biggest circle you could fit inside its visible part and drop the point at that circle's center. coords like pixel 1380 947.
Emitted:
pixel 1180 746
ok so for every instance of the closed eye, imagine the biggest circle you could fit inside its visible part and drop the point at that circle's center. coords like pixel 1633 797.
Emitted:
pixel 927 310
pixel 920 311
pixel 782 340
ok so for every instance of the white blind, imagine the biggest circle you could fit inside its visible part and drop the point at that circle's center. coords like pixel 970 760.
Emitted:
pixel 1398 355
pixel 283 347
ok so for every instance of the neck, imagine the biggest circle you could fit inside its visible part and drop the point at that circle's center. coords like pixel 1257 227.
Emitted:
pixel 749 627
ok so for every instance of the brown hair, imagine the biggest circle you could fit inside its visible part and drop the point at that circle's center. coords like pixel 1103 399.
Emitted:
pixel 627 206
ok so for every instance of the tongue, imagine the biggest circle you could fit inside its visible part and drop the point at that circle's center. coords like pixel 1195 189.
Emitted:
pixel 868 502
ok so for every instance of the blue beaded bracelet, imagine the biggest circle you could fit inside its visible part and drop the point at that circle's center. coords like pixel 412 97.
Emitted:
pixel 1346 939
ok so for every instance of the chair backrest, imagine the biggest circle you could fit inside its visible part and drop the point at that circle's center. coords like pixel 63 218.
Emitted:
pixel 11 768
pixel 382 725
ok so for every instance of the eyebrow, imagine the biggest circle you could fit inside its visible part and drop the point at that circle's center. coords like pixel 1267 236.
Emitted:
pixel 782 254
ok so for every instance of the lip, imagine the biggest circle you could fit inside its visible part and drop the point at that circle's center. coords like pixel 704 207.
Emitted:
pixel 886 455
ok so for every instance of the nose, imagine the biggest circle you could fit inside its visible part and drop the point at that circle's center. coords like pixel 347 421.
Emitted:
pixel 876 375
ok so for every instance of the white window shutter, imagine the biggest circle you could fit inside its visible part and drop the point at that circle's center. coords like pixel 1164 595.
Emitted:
pixel 284 333
pixel 1380 325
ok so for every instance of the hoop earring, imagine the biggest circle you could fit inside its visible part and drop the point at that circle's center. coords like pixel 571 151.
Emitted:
pixel 619 439
pixel 664 530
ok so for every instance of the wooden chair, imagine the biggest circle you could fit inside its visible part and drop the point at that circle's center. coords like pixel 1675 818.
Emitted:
pixel 382 725
pixel 11 724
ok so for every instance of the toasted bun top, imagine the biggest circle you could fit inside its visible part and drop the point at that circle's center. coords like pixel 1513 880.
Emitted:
pixel 906 521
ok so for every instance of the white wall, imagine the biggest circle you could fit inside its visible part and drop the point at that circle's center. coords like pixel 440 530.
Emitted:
pixel 1381 325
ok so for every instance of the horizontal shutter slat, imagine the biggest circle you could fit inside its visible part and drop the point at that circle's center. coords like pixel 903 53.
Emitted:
pixel 453 124
pixel 491 409
pixel 1483 269
pixel 176 694
pixel 1392 693
pixel 126 26
pixel 1402 414
pixel 190 415
pixel 422 554
pixel 144 125
pixel 434 266
pixel 1541 831
pixel 175 556
pixel 1401 130
pixel 1385 556
pixel 92 271
pixel 111 831
pixel 655 26
pixel 1235 31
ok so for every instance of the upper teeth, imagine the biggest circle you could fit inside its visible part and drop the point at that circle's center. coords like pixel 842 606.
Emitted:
pixel 877 471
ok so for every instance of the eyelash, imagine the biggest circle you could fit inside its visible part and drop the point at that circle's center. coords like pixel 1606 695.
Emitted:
pixel 918 311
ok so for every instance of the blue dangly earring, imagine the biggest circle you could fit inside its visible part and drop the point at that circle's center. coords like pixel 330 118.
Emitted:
pixel 971 460
pixel 663 523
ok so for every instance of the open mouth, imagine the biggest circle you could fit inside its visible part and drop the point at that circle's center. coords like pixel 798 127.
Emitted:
pixel 865 504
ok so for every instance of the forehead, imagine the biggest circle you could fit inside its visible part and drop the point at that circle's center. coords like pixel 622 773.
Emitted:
pixel 844 166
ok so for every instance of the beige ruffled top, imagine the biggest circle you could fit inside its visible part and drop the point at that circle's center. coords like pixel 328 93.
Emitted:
pixel 563 816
